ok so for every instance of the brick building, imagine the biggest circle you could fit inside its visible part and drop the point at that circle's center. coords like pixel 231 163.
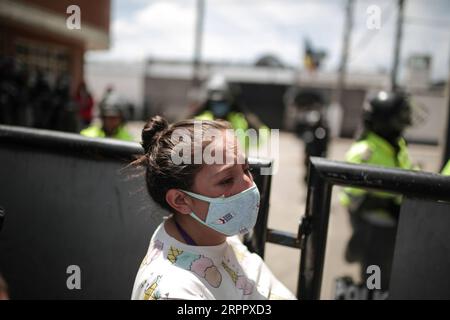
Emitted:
pixel 35 33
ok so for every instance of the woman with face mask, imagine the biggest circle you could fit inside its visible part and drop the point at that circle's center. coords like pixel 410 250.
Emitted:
pixel 196 253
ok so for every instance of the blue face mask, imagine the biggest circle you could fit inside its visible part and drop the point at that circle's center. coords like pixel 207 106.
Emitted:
pixel 232 215
pixel 220 108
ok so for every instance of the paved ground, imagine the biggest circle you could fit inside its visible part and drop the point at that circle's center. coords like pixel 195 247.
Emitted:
pixel 288 203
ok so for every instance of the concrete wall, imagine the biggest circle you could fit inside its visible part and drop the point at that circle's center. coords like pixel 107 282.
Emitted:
pixel 431 111
pixel 167 97
pixel 126 79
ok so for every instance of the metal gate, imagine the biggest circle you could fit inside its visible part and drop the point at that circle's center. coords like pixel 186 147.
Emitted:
pixel 67 200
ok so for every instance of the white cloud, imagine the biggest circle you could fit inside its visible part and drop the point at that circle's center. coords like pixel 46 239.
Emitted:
pixel 243 30
pixel 162 28
pixel 248 29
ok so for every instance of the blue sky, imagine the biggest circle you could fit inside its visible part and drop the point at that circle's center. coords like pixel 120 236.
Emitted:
pixel 241 31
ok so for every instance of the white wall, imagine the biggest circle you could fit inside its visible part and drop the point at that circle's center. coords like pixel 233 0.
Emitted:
pixel 435 119
pixel 126 78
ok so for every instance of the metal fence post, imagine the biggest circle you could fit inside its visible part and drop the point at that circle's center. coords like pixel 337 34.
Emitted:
pixel 313 241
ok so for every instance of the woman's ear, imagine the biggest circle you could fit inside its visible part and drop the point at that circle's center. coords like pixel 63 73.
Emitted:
pixel 179 201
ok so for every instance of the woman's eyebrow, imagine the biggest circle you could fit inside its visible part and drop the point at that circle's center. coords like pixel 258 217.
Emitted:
pixel 224 169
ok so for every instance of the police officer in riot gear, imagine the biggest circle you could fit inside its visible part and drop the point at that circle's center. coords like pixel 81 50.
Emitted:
pixel 374 215
pixel 219 102
pixel 311 125
pixel 113 114
pixel 14 100
pixel 222 103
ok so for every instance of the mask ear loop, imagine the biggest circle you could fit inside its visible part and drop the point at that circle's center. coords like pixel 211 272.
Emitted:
pixel 218 199
pixel 204 198
pixel 199 197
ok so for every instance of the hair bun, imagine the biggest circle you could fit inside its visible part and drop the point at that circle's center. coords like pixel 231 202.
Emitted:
pixel 153 129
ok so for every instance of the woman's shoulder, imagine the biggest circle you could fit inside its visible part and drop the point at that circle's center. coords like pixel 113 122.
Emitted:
pixel 160 281
pixel 241 250
pixel 168 271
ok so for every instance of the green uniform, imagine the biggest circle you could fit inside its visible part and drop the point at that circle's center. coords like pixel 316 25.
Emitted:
pixel 373 215
pixel 375 150
pixel 446 170
pixel 97 132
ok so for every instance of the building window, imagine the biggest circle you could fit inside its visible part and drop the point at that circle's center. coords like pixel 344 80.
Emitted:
pixel 42 56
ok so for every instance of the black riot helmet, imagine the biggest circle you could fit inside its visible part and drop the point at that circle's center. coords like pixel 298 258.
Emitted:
pixel 308 99
pixel 387 113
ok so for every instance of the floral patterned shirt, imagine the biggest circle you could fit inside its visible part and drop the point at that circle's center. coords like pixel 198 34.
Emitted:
pixel 174 270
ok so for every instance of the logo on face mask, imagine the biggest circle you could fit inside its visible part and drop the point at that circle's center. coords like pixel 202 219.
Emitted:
pixel 225 218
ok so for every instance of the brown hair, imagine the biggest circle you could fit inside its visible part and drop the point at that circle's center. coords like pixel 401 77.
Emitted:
pixel 158 141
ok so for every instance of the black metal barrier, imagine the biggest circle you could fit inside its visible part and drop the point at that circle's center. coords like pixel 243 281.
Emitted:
pixel 324 174
pixel 65 200
pixel 421 263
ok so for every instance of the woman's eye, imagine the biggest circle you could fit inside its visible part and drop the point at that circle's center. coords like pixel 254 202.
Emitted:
pixel 226 181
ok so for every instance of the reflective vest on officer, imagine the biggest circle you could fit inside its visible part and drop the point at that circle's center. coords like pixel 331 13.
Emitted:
pixel 446 170
pixel 97 132
pixel 374 150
